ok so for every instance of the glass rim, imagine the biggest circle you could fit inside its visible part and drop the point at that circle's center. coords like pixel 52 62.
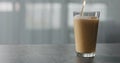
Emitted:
pixel 86 11
pixel 95 13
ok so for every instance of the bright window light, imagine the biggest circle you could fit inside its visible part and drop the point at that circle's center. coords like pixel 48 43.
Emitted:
pixel 43 15
pixel 6 6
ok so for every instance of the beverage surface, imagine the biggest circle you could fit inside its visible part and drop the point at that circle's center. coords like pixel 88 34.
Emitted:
pixel 86 17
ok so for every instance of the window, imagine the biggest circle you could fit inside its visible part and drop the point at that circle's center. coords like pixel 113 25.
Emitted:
pixel 6 6
pixel 43 15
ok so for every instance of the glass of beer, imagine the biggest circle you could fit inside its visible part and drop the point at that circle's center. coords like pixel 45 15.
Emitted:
pixel 85 32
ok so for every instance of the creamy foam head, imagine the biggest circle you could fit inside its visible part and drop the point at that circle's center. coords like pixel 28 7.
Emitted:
pixel 85 17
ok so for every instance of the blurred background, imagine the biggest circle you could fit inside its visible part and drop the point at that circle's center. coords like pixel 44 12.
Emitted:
pixel 51 21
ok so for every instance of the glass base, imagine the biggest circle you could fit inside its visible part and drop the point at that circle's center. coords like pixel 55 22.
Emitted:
pixel 86 54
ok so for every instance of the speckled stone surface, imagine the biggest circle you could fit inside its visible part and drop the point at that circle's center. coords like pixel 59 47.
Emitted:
pixel 60 53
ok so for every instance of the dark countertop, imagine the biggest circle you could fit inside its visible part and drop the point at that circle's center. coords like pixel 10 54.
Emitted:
pixel 52 53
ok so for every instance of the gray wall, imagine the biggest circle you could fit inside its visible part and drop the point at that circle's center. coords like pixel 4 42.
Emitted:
pixel 13 31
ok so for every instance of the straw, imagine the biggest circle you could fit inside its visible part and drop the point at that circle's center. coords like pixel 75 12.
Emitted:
pixel 83 5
